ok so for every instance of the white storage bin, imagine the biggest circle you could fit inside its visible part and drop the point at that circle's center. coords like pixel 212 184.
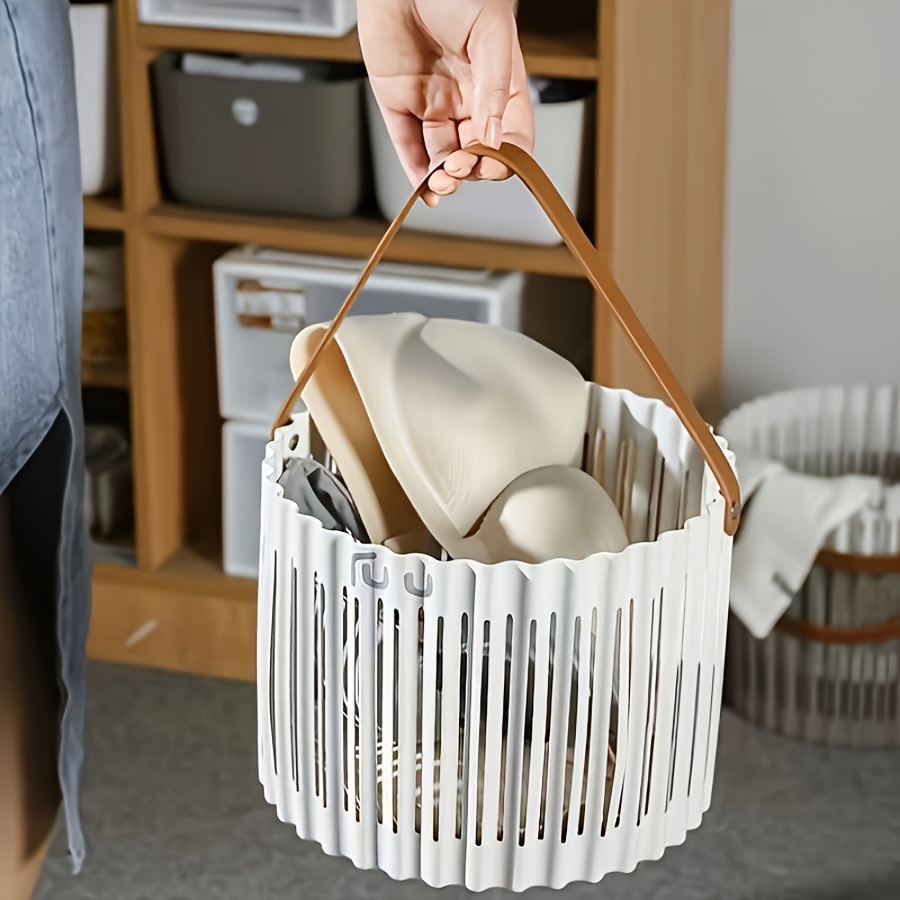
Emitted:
pixel 326 18
pixel 264 297
pixel 493 210
pixel 243 450
pixel 93 30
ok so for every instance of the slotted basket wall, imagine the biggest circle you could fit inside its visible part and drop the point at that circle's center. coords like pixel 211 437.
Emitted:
pixel 510 725
pixel 830 671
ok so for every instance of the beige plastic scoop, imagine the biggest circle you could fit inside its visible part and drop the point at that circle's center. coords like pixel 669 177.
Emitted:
pixel 343 423
pixel 445 413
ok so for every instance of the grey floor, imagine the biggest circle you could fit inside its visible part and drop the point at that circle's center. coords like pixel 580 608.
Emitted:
pixel 174 811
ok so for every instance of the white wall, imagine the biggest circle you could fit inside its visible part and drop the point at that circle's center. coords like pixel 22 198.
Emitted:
pixel 812 274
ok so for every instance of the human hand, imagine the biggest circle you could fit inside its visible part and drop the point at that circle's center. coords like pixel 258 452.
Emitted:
pixel 447 74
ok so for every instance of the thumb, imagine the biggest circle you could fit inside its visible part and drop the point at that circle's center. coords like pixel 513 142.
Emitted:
pixel 490 49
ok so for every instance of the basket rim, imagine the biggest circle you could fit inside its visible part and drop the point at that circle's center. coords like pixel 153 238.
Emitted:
pixel 708 509
pixel 799 393
pixel 869 517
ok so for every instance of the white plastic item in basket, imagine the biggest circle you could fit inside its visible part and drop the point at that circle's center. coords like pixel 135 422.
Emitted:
pixel 842 689
pixel 505 725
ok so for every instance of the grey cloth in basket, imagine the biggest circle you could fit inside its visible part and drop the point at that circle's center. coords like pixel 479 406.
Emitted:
pixel 320 494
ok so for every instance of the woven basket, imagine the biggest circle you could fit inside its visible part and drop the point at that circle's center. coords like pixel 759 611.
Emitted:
pixel 830 671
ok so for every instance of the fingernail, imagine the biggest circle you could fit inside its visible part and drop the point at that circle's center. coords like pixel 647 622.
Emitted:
pixel 494 132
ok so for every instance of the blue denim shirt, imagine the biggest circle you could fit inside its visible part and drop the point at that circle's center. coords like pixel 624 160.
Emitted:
pixel 41 272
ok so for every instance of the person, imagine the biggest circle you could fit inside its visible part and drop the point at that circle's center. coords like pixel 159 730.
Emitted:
pixel 444 74
pixel 44 549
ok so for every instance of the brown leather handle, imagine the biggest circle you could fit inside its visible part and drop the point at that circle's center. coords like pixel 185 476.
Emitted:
pixel 521 163
pixel 858 563
pixel 837 634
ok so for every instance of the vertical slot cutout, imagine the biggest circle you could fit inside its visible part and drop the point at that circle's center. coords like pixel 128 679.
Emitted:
pixel 317 658
pixel 507 677
pixel 612 739
pixel 419 689
pixel 380 768
pixel 590 723
pixel 272 630
pixel 463 744
pixel 679 677
pixel 650 720
pixel 694 732
pixel 395 738
pixel 659 620
pixel 438 723
pixel 346 687
pixel 571 732
pixel 527 732
pixel 323 653
pixel 482 729
pixel 628 699
pixel 356 700
pixel 545 773
pixel 295 754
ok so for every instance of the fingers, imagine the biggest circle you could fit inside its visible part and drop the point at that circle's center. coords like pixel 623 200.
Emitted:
pixel 490 50
pixel 405 131
pixel 516 115
pixel 420 145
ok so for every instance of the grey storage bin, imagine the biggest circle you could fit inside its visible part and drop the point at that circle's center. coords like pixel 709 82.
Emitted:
pixel 262 146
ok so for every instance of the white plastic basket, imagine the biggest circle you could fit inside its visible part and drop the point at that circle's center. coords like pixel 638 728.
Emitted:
pixel 830 671
pixel 510 725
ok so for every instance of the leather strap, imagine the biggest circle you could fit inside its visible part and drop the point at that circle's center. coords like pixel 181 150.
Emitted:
pixel 834 634
pixel 521 163
pixel 859 564
pixel 856 564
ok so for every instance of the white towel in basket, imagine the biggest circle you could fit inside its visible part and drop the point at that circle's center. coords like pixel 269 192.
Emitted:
pixel 783 530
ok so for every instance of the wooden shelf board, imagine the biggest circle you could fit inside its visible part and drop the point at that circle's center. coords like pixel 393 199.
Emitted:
pixel 195 570
pixel 560 54
pixel 356 237
pixel 104 213
pixel 105 373
pixel 187 617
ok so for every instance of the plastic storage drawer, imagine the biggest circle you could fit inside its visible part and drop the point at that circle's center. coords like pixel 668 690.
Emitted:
pixel 262 146
pixel 493 210
pixel 326 18
pixel 243 450
pixel 264 297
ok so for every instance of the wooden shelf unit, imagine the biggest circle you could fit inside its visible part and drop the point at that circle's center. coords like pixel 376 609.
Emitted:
pixel 354 237
pixel 553 55
pixel 661 69
pixel 104 213
pixel 105 373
